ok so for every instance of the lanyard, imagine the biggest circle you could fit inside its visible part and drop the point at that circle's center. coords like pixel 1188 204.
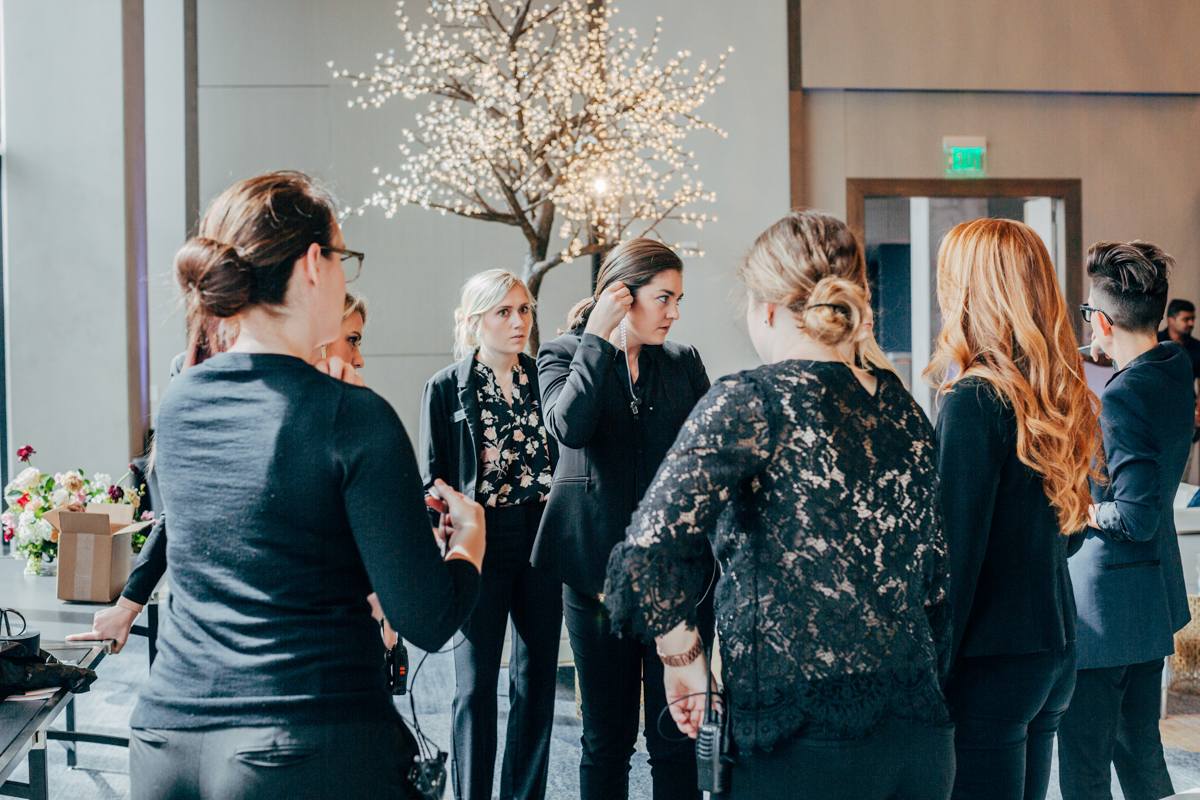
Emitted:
pixel 636 402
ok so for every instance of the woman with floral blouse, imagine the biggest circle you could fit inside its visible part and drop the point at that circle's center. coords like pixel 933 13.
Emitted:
pixel 815 478
pixel 482 433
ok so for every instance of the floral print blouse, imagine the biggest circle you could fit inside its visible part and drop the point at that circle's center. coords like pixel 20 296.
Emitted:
pixel 515 458
pixel 821 501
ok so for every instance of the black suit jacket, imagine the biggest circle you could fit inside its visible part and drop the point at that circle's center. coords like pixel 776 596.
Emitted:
pixel 607 458
pixel 449 442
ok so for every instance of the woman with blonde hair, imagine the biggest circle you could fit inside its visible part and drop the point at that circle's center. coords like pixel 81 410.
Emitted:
pixel 482 432
pixel 814 477
pixel 1017 438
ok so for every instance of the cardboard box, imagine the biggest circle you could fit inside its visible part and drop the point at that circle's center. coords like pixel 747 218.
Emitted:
pixel 119 514
pixel 93 557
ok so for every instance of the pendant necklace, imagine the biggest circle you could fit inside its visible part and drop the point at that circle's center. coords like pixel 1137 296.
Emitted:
pixel 637 401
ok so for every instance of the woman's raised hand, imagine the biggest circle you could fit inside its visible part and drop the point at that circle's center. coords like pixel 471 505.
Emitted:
pixel 611 307
pixel 334 367
pixel 467 536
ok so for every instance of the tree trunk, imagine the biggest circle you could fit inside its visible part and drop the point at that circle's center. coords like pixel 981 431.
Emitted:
pixel 533 274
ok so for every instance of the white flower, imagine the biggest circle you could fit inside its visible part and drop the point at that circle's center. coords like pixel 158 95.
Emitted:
pixel 59 497
pixel 35 503
pixel 29 478
pixel 42 530
pixel 101 482
pixel 26 519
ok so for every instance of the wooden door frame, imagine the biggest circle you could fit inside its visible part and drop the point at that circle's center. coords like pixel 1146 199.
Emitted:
pixel 1069 190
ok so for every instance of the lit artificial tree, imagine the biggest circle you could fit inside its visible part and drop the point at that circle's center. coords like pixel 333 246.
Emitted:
pixel 541 115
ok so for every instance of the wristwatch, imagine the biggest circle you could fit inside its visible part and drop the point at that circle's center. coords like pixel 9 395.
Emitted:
pixel 683 659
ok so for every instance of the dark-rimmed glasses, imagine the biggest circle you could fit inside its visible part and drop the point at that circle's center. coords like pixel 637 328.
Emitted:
pixel 353 268
pixel 1087 310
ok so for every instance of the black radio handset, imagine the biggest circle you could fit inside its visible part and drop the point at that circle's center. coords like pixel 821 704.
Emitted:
pixel 712 747
pixel 636 402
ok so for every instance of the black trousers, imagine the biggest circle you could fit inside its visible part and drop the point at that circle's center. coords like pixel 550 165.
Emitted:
pixel 290 762
pixel 1113 719
pixel 613 673
pixel 508 586
pixel 901 760
pixel 1006 709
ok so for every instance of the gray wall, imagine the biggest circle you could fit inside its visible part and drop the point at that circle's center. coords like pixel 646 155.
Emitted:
pixel 267 102
pixel 64 233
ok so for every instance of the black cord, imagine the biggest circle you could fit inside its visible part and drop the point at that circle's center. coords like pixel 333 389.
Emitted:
pixel 667 708
pixel 423 741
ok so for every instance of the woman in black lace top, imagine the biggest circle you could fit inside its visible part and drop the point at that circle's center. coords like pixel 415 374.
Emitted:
pixel 816 482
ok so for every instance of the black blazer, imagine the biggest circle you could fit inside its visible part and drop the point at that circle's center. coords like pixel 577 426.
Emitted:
pixel 606 457
pixel 449 442
pixel 1128 578
pixel 1009 583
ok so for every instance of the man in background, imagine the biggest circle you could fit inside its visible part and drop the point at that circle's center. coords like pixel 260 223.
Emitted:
pixel 1181 319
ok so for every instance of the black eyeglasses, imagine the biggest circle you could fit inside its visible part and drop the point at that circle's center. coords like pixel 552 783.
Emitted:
pixel 353 268
pixel 1087 310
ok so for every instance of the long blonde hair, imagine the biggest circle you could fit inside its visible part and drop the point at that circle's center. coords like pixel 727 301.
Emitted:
pixel 480 294
pixel 813 264
pixel 1004 320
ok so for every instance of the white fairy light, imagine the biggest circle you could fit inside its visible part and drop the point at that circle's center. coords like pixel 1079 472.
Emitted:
pixel 542 115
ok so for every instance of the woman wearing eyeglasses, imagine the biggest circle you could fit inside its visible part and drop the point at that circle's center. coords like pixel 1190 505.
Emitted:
pixel 208 337
pixel 292 496
pixel 1017 437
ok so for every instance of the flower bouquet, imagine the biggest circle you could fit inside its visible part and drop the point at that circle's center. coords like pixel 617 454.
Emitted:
pixel 31 496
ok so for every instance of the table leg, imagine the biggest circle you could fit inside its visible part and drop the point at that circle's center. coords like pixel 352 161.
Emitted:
pixel 70 727
pixel 38 787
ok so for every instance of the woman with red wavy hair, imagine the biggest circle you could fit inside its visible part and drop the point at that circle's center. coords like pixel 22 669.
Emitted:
pixel 1017 439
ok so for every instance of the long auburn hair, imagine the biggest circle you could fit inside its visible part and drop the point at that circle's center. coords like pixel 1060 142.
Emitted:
pixel 1004 320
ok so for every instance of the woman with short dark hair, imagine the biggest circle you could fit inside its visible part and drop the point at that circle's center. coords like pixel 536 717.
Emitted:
pixel 292 496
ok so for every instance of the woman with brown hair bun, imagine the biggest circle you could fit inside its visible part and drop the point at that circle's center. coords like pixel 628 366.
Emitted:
pixel 615 393
pixel 1017 437
pixel 292 496
pixel 814 477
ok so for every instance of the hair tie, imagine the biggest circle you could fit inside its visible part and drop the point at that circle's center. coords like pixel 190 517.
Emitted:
pixel 834 306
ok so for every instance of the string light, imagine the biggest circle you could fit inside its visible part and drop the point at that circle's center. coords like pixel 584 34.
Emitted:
pixel 542 114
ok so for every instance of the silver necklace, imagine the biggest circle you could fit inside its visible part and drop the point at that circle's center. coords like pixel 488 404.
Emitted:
pixel 637 401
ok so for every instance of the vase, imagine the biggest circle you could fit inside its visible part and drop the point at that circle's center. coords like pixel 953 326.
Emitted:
pixel 41 565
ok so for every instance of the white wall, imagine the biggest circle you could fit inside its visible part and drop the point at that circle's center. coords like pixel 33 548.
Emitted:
pixel 64 233
pixel 267 102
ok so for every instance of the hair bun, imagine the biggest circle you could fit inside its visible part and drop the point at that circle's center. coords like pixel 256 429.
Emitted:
pixel 214 277
pixel 834 310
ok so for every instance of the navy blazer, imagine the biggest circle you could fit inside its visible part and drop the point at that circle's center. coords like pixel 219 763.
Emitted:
pixel 449 442
pixel 1128 580
pixel 607 458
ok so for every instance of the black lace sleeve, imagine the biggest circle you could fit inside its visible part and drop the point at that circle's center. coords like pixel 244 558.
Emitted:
pixel 656 576
pixel 937 601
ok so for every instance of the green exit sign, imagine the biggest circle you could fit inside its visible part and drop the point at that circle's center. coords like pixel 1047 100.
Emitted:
pixel 965 156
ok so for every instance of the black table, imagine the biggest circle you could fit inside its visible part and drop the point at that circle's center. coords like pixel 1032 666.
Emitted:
pixel 24 724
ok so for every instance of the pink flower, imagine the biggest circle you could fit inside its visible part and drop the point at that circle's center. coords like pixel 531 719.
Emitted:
pixel 518 435
pixel 147 516
pixel 491 454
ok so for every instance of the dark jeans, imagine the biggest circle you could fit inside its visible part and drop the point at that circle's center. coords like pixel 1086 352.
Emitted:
pixel 508 585
pixel 1006 709
pixel 901 760
pixel 1114 720
pixel 612 672
pixel 293 762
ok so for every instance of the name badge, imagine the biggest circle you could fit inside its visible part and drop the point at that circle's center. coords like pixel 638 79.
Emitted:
pixel 460 415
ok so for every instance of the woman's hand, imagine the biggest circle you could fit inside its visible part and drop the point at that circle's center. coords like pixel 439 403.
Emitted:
pixel 612 306
pixel 334 367
pixel 680 682
pixel 1092 518
pixel 467 537
pixel 389 635
pixel 113 623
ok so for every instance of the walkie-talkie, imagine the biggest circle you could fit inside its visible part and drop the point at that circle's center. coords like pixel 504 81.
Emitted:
pixel 712 747
pixel 395 662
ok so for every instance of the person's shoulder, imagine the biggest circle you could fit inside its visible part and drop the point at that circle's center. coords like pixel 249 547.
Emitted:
pixel 973 396
pixel 564 343
pixel 447 377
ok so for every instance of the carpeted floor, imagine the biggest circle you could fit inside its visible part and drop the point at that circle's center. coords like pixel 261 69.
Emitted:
pixel 103 772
